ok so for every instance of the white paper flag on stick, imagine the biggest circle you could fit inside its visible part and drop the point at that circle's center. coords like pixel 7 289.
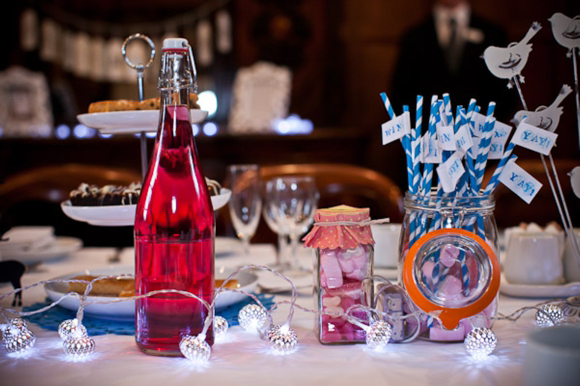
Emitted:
pixel 478 124
pixel 450 172
pixel 463 140
pixel 534 138
pixel 446 136
pixel 499 137
pixel 396 128
pixel 519 181
pixel 431 153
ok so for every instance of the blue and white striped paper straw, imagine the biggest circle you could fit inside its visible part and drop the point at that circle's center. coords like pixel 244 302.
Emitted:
pixel 493 182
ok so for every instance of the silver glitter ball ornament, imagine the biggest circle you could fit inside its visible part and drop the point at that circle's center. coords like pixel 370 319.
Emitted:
pixel 282 338
pixel 549 315
pixel 480 342
pixel 18 339
pixel 18 322
pixel 378 334
pixel 195 348
pixel 220 326
pixel 252 317
pixel 79 346
pixel 67 328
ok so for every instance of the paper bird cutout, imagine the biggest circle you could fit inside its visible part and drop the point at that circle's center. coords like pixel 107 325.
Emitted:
pixel 508 62
pixel 575 180
pixel 566 31
pixel 546 118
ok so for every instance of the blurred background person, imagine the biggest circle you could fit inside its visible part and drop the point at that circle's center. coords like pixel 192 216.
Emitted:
pixel 443 55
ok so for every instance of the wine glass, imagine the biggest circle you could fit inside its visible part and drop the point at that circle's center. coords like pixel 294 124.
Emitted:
pixel 245 205
pixel 270 213
pixel 294 201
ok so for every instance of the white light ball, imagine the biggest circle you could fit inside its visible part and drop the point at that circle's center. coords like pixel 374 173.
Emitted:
pixel 378 334
pixel 252 317
pixel 195 348
pixel 282 338
pixel 78 346
pixel 220 326
pixel 18 339
pixel 18 322
pixel 69 327
pixel 480 342
pixel 551 313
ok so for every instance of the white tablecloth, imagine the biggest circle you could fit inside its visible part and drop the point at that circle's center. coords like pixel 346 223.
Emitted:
pixel 245 359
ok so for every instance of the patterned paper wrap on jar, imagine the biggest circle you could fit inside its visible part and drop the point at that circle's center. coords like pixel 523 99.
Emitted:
pixel 344 258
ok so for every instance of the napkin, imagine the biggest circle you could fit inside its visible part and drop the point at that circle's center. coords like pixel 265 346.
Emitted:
pixel 27 238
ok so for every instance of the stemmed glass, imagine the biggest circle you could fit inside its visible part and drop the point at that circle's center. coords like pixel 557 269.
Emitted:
pixel 245 205
pixel 270 213
pixel 293 201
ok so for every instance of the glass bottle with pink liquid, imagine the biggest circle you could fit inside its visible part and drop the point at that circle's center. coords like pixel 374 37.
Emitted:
pixel 174 222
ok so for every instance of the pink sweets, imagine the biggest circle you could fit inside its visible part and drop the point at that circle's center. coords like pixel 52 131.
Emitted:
pixel 344 253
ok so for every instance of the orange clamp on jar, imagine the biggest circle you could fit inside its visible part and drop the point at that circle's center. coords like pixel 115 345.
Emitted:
pixel 451 273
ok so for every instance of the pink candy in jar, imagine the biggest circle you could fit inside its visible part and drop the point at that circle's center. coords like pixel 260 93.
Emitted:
pixel 344 251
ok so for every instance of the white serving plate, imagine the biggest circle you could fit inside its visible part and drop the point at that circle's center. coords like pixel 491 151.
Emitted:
pixel 122 215
pixel 539 291
pixel 62 246
pixel 126 310
pixel 129 122
pixel 227 246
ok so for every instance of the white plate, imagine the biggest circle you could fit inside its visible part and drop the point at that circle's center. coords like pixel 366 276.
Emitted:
pixel 128 122
pixel 61 247
pixel 539 291
pixel 227 246
pixel 126 310
pixel 122 215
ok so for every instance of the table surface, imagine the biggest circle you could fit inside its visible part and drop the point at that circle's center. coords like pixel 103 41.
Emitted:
pixel 244 359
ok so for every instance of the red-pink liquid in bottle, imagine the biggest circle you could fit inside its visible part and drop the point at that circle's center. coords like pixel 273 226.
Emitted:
pixel 174 240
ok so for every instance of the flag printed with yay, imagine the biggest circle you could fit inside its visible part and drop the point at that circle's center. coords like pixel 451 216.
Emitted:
pixel 519 181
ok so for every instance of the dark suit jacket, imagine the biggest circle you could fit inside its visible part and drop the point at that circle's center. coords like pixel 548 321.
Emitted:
pixel 422 69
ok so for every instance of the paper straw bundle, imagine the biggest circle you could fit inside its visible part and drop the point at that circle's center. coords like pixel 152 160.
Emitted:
pixel 421 157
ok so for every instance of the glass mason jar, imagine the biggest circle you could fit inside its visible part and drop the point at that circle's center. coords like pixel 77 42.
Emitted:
pixel 343 262
pixel 448 263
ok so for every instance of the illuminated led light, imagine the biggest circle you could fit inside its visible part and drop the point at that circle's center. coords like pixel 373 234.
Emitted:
pixel 105 136
pixel 378 334
pixel 81 131
pixel 207 101
pixel 549 315
pixel 480 342
pixel 195 128
pixel 195 348
pixel 252 317
pixel 282 338
pixel 62 132
pixel 210 129
pixel 220 326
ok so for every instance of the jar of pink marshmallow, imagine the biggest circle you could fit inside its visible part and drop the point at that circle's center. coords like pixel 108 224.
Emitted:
pixel 344 259
pixel 448 263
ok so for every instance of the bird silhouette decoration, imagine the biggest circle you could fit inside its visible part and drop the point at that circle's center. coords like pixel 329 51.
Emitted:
pixel 546 118
pixel 566 31
pixel 508 62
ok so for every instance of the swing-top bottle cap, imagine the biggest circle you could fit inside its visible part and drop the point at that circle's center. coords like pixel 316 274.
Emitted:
pixel 175 43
